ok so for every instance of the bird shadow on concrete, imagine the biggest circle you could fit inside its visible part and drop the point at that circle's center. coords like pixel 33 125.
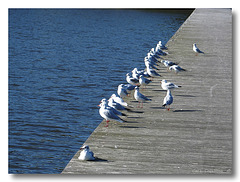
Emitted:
pixel 131 127
pixel 97 159
pixel 185 95
pixel 134 117
pixel 131 121
pixel 186 110
pixel 136 111
pixel 158 90
pixel 158 107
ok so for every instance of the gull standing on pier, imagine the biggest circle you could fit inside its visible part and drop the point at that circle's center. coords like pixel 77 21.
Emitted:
pixel 168 85
pixel 86 154
pixel 131 80
pixel 144 81
pixel 163 47
pixel 110 107
pixel 119 100
pixel 122 92
pixel 195 49
pixel 168 100
pixel 140 97
pixel 152 72
pixel 116 105
pixel 176 68
pixel 168 63
pixel 108 115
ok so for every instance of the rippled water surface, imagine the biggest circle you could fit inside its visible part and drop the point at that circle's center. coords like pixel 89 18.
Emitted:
pixel 62 62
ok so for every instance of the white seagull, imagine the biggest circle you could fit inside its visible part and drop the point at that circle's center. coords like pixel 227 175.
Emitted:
pixel 86 154
pixel 108 115
pixel 176 68
pixel 131 80
pixel 110 107
pixel 168 100
pixel 129 88
pixel 122 92
pixel 195 49
pixel 168 85
pixel 144 81
pixel 168 63
pixel 152 72
pixel 163 47
pixel 116 105
pixel 119 100
pixel 140 97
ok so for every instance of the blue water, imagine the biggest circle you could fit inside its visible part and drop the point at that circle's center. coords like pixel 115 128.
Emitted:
pixel 62 62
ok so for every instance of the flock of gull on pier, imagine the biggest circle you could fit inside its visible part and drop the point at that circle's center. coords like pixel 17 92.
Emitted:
pixel 111 109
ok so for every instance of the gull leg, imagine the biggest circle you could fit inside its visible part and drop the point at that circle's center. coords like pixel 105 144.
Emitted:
pixel 107 123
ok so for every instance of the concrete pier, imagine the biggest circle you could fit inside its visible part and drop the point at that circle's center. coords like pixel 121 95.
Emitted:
pixel 195 136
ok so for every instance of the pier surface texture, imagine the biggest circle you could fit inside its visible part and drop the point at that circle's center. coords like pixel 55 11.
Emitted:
pixel 195 136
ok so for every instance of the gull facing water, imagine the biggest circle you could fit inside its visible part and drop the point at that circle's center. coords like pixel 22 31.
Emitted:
pixel 108 114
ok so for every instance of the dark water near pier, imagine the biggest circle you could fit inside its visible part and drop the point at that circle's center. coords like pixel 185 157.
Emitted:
pixel 62 62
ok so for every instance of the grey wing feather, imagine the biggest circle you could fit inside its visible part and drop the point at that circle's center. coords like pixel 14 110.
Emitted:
pixel 155 73
pixel 198 50
pixel 111 115
pixel 134 80
pixel 168 100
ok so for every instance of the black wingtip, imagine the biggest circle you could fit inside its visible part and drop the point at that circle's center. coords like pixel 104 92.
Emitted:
pixel 128 109
pixel 124 114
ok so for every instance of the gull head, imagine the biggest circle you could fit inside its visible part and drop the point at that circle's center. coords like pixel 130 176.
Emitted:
pixel 103 100
pixel 113 95
pixel 163 81
pixel 84 147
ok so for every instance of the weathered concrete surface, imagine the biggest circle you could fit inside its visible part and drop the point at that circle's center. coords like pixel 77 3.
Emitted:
pixel 195 137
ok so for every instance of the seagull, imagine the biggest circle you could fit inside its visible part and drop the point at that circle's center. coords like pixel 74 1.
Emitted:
pixel 122 92
pixel 86 154
pixel 108 115
pixel 158 52
pixel 168 63
pixel 168 85
pixel 151 60
pixel 195 49
pixel 152 72
pixel 131 80
pixel 168 100
pixel 119 100
pixel 150 64
pixel 136 73
pixel 116 105
pixel 163 47
pixel 110 107
pixel 129 88
pixel 176 68
pixel 140 97
pixel 144 81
